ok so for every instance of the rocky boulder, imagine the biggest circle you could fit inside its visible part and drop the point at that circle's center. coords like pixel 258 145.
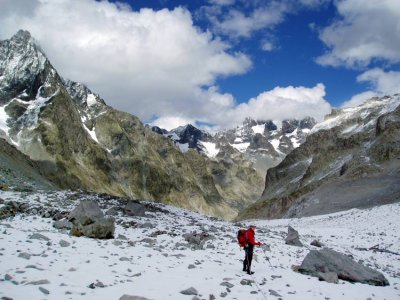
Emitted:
pixel 293 237
pixel 326 261
pixel 135 208
pixel 88 220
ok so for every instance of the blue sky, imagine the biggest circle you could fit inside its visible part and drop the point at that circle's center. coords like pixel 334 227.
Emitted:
pixel 218 61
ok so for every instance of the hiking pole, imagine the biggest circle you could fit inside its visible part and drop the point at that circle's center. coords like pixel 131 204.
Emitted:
pixel 267 258
pixel 266 247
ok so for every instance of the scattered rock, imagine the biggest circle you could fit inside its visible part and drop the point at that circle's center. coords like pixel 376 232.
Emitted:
pixel 150 242
pixel 147 225
pixel 327 260
pixel 274 293
pixel 122 237
pixel 128 297
pixel 34 267
pixel 11 208
pixel 124 259
pixel 8 277
pixel 43 290
pixel 38 236
pixel 24 255
pixel 99 284
pixel 293 237
pixel 62 224
pixel 63 243
pixel 197 240
pixel 158 232
pixel 227 284
pixel 38 282
pixel 317 243
pixel 246 282
pixel 190 291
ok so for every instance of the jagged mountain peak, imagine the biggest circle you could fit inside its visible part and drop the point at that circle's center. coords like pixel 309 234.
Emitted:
pixel 82 95
pixel 21 62
pixel 264 143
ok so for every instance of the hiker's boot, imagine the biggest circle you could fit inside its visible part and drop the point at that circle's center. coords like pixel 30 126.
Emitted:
pixel 250 272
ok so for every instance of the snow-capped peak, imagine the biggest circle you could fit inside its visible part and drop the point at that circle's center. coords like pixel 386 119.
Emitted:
pixel 354 119
pixel 20 61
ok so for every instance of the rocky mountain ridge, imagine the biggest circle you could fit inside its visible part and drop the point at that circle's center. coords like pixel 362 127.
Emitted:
pixel 79 142
pixel 264 143
pixel 352 159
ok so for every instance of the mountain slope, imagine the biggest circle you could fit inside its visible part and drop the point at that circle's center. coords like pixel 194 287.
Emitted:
pixel 350 160
pixel 19 172
pixel 87 144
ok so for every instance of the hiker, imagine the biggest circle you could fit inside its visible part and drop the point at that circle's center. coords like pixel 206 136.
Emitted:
pixel 249 249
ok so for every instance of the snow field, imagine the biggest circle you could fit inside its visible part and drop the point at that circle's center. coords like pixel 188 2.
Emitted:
pixel 161 270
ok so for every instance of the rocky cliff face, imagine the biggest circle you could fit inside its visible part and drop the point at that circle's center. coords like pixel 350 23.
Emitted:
pixel 81 142
pixel 349 160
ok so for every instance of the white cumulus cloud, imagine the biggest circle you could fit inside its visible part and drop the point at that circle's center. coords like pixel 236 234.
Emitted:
pixel 366 31
pixel 381 83
pixel 281 103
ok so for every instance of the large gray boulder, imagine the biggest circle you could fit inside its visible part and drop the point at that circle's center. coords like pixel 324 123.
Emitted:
pixel 293 237
pixel 135 209
pixel 330 261
pixel 88 220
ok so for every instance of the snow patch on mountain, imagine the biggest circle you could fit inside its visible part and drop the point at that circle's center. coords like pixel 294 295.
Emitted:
pixel 183 147
pixel 242 147
pixel 91 100
pixel 258 128
pixel 92 133
pixel 210 149
pixel 3 120
pixel 31 115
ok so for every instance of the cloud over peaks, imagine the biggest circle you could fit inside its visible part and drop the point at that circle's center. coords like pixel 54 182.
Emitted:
pixel 146 62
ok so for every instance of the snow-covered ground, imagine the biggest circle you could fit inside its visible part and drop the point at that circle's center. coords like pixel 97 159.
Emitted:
pixel 151 258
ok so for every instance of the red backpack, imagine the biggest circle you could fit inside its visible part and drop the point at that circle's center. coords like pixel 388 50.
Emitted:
pixel 242 237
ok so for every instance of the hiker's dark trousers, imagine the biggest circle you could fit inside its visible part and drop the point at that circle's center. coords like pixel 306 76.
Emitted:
pixel 248 257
